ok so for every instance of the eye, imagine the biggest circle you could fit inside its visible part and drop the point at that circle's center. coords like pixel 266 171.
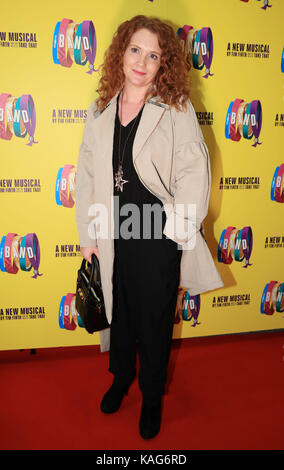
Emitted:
pixel 154 56
pixel 134 49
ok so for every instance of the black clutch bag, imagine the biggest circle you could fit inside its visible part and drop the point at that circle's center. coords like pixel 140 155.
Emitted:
pixel 89 296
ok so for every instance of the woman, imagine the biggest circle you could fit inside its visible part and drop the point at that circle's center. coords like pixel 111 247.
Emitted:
pixel 143 147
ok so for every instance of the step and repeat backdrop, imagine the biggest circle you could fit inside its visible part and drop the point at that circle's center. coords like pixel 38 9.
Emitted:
pixel 50 70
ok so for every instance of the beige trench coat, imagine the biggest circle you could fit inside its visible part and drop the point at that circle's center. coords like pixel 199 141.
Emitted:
pixel 172 161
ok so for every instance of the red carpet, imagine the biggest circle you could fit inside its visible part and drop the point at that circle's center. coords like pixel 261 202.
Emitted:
pixel 224 392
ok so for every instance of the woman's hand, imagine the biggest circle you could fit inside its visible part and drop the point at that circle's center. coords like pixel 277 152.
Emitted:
pixel 88 251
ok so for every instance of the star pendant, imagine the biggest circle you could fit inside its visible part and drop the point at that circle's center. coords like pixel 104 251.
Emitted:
pixel 119 181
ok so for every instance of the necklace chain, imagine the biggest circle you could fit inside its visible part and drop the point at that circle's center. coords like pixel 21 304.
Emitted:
pixel 119 181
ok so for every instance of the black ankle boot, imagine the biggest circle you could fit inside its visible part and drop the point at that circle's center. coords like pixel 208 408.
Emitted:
pixel 113 397
pixel 150 419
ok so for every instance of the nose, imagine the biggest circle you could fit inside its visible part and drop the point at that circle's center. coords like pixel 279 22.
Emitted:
pixel 142 59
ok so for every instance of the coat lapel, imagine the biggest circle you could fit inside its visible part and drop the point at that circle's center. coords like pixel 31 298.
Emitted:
pixel 104 126
pixel 150 118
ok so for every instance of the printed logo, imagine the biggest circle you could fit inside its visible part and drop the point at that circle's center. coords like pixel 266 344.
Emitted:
pixel 69 116
pixel 235 244
pixel 74 42
pixel 65 186
pixel 248 50
pixel 67 250
pixel 17 117
pixel 272 298
pixel 23 313
pixel 279 118
pixel 239 182
pixel 188 307
pixel 20 185
pixel 197 44
pixel 233 300
pixel 244 120
pixel 277 185
pixel 20 253
pixel 265 3
pixel 205 118
pixel 274 241
pixel 21 40
pixel 191 308
pixel 68 316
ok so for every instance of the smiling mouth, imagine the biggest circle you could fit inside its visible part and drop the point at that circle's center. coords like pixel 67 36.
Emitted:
pixel 139 73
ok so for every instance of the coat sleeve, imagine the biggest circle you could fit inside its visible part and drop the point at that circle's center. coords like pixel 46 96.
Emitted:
pixel 192 181
pixel 84 189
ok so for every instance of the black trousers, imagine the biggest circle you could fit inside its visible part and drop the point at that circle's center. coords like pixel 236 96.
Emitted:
pixel 145 286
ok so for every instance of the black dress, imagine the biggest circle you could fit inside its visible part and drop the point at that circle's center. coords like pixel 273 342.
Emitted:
pixel 145 279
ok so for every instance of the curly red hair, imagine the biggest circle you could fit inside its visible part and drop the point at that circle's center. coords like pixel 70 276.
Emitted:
pixel 172 79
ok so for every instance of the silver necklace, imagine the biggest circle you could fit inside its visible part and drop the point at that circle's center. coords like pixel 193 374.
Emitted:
pixel 118 176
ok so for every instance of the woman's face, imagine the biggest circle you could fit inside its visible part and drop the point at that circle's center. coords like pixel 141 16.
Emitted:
pixel 142 58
